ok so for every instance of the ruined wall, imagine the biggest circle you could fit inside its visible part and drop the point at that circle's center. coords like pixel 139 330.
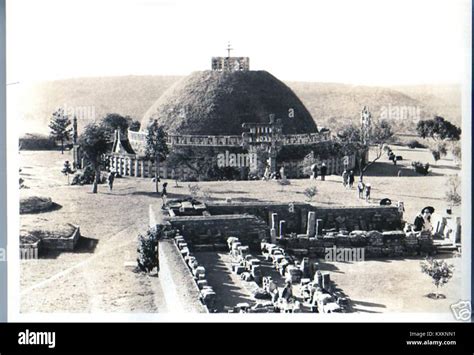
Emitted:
pixel 296 215
pixel 371 244
pixel 211 232
pixel 179 288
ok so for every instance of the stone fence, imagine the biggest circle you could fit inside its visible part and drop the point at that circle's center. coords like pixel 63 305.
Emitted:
pixel 295 215
pixel 211 232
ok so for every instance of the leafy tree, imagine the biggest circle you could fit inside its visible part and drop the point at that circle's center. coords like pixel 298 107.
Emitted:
pixel 113 121
pixel 59 126
pixel 456 151
pixel 156 148
pixel 93 142
pixel 134 126
pixel 439 271
pixel 67 170
pixel 438 129
pixel 379 135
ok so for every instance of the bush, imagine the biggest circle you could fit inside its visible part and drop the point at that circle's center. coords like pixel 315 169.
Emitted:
pixel 415 144
pixel 310 192
pixel 452 194
pixel 36 142
pixel 148 247
pixel 439 271
pixel 194 190
pixel 421 168
pixel 35 204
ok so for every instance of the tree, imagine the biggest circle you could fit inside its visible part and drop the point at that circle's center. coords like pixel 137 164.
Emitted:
pixel 156 147
pixel 456 151
pixel 113 121
pixel 134 126
pixel 67 170
pixel 439 271
pixel 93 143
pixel 453 195
pixel 438 129
pixel 59 127
pixel 378 136
pixel 438 150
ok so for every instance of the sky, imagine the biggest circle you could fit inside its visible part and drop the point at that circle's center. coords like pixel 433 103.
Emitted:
pixel 367 42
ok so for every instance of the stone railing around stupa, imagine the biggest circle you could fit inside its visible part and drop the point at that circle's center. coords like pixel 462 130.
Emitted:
pixel 138 140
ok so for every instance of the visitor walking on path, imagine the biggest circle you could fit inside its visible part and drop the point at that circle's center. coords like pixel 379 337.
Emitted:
pixel 314 170
pixel 164 193
pixel 368 187
pixel 324 170
pixel 110 180
pixel 345 178
pixel 360 188
pixel 351 179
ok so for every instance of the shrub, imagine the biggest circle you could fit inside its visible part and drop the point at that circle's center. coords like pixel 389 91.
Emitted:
pixel 421 168
pixel 37 142
pixel 439 271
pixel 35 204
pixel 310 192
pixel 194 190
pixel 452 194
pixel 415 144
pixel 148 247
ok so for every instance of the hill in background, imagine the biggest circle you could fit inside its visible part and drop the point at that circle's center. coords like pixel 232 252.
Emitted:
pixel 330 104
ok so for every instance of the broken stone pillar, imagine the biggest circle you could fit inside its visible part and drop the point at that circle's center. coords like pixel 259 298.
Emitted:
pixel 274 221
pixel 326 281
pixel 457 231
pixel 310 228
pixel 273 235
pixel 282 228
pixel 317 226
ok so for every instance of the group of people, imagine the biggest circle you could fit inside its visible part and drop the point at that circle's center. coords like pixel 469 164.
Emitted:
pixel 362 188
pixel 323 170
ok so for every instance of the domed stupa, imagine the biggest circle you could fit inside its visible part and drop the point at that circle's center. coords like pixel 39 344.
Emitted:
pixel 219 102
pixel 229 112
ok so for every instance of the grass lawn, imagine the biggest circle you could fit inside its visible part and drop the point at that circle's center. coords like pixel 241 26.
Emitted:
pixel 95 279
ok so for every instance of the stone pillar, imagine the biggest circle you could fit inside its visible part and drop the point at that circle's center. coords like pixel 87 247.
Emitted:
pixel 142 163
pixel 137 170
pixel 273 235
pixel 282 228
pixel 457 231
pixel 317 227
pixel 273 226
pixel 310 228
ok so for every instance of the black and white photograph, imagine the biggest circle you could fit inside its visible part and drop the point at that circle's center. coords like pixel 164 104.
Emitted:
pixel 178 160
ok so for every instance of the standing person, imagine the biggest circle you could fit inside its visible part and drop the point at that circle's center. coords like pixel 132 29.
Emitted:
pixel 164 193
pixel 110 180
pixel 345 177
pixel 360 188
pixel 314 170
pixel 368 187
pixel 351 179
pixel 324 170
